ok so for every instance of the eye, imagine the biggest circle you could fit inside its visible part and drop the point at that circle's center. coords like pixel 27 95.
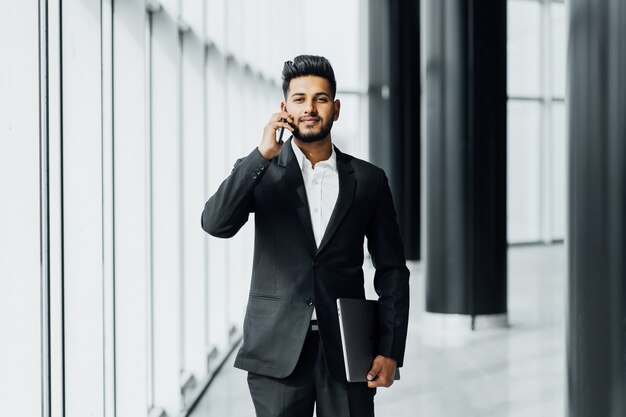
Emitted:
pixel 298 100
pixel 322 99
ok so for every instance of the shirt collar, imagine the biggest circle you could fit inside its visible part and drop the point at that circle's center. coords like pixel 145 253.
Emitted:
pixel 302 159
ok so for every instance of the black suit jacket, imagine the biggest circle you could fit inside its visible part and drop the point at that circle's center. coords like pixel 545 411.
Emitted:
pixel 290 274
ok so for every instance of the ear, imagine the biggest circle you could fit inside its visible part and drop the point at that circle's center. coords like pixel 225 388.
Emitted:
pixel 283 106
pixel 337 106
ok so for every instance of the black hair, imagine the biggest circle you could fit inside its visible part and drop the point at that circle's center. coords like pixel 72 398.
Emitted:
pixel 303 65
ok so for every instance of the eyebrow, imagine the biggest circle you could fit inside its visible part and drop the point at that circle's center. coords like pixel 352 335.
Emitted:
pixel 321 93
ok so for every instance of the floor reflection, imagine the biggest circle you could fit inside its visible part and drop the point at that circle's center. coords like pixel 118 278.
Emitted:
pixel 514 372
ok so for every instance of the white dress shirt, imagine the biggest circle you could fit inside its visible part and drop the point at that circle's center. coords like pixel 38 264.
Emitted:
pixel 322 189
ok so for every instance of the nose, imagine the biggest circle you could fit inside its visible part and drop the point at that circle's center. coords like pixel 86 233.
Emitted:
pixel 309 107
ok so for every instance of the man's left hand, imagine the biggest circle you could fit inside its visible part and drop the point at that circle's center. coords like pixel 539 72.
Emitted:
pixel 382 373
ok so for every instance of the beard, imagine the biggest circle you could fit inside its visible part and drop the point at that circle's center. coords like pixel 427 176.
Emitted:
pixel 314 136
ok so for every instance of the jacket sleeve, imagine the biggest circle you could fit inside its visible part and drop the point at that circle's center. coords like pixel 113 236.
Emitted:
pixel 230 207
pixel 391 279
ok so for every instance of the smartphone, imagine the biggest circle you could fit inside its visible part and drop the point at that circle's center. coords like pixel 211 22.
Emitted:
pixel 280 136
pixel 282 130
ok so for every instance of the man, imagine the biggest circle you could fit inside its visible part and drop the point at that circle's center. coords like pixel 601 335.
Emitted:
pixel 313 206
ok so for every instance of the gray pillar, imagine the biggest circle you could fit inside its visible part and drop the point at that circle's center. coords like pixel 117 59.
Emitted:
pixel 465 116
pixel 394 40
pixel 596 238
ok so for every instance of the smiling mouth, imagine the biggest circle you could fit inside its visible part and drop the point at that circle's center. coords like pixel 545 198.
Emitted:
pixel 309 122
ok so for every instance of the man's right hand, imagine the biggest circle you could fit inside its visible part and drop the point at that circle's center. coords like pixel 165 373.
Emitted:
pixel 269 147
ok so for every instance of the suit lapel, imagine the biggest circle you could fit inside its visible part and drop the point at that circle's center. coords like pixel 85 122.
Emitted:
pixel 294 182
pixel 347 188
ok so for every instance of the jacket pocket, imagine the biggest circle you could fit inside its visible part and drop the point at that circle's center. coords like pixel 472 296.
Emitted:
pixel 260 296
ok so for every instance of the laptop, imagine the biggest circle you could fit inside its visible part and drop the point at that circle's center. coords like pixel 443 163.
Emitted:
pixel 358 324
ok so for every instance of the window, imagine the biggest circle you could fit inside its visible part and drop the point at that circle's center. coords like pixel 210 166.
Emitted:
pixel 536 120
pixel 146 103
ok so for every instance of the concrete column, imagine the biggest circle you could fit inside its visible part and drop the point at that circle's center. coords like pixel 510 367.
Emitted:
pixel 596 238
pixel 465 156
pixel 395 109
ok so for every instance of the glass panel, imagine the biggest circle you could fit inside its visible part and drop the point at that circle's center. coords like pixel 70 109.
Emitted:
pixel 192 13
pixel 524 48
pixel 264 61
pixel 251 22
pixel 215 18
pixel 171 8
pixel 346 131
pixel 558 65
pixel 341 47
pixel 131 209
pixel 82 209
pixel 523 169
pixel 166 220
pixel 239 144
pixel 219 166
pixel 559 172
pixel 234 25
pixel 20 293
pixel 290 46
pixel 193 200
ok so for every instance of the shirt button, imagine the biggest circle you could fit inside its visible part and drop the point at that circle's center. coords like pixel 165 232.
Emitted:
pixel 316 264
pixel 309 301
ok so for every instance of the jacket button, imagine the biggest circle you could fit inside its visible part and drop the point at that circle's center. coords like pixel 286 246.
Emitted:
pixel 254 176
pixel 309 301
pixel 316 264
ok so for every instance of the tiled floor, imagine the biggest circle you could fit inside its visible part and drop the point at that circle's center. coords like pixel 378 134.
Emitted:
pixel 513 372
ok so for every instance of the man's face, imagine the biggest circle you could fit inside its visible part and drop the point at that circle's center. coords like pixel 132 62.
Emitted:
pixel 310 103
